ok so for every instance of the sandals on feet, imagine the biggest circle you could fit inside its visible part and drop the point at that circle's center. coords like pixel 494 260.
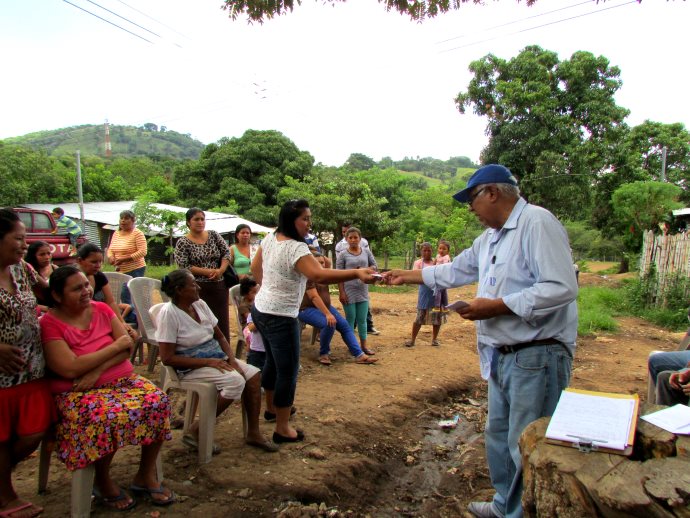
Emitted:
pixel 267 446
pixel 365 360
pixel 7 513
pixel 278 438
pixel 325 360
pixel 368 352
pixel 111 501
pixel 149 492
pixel 409 343
pixel 435 343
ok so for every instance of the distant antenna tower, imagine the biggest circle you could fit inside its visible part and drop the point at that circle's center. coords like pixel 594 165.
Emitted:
pixel 108 147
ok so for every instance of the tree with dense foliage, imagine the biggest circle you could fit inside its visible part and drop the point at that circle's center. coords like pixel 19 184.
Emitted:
pixel 641 206
pixel 257 10
pixel 553 123
pixel 359 162
pixel 249 170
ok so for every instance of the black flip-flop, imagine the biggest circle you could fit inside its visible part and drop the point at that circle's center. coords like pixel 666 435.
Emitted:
pixel 278 438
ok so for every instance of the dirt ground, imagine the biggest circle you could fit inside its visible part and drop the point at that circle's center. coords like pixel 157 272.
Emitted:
pixel 373 444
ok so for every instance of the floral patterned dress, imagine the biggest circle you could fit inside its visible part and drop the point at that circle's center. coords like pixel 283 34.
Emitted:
pixel 126 410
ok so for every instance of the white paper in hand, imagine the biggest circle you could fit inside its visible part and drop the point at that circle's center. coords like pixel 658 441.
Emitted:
pixel 458 304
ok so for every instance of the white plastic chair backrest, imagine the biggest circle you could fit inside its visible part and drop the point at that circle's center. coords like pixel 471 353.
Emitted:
pixel 116 280
pixel 153 313
pixel 142 290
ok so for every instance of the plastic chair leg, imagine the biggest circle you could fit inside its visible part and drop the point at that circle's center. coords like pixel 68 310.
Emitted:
pixel 153 354
pixel 47 447
pixel 207 422
pixel 82 486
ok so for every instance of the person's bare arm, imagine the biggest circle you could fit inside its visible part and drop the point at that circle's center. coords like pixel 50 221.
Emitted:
pixel 309 267
pixel 319 304
pixel 398 277
pixel 257 266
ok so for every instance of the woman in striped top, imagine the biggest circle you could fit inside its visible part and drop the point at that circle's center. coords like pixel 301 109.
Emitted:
pixel 127 250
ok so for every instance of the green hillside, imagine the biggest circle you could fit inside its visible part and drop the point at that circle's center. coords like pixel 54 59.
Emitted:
pixel 126 141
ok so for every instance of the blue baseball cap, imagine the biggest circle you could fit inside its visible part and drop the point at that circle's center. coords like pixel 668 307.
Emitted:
pixel 492 173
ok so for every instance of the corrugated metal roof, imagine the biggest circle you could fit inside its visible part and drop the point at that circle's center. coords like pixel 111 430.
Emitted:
pixel 682 212
pixel 107 213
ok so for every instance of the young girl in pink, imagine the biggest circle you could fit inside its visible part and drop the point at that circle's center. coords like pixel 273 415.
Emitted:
pixel 425 302
pixel 442 257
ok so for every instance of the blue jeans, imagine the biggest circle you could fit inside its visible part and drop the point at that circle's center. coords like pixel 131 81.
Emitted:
pixel 523 387
pixel 667 361
pixel 281 336
pixel 314 317
pixel 125 297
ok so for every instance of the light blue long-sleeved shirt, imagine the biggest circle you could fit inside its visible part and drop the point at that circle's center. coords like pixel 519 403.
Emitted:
pixel 528 264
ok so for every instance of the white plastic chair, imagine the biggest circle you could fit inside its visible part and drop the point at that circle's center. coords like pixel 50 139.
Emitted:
pixel 116 280
pixel 200 395
pixel 82 480
pixel 142 290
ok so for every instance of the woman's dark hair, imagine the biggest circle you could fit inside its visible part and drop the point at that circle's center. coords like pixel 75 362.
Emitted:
pixel 33 250
pixel 57 281
pixel 128 214
pixel 8 220
pixel 191 213
pixel 353 230
pixel 241 226
pixel 174 281
pixel 87 249
pixel 289 212
pixel 246 285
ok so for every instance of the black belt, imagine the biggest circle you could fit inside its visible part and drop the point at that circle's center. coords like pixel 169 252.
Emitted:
pixel 507 349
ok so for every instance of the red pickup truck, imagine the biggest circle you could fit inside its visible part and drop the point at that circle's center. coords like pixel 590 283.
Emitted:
pixel 39 227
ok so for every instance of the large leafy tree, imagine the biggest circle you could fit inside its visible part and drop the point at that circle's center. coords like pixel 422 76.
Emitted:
pixel 553 123
pixel 641 206
pixel 249 171
pixel 258 10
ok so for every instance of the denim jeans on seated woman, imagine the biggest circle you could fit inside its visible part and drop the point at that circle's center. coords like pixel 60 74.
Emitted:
pixel 281 336
pixel 314 317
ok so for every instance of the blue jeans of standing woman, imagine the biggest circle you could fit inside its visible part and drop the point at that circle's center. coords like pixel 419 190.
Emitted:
pixel 281 336
pixel 356 314
pixel 314 317
pixel 523 386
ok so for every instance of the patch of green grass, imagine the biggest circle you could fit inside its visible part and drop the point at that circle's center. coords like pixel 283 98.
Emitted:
pixel 153 272
pixel 597 308
pixel 374 288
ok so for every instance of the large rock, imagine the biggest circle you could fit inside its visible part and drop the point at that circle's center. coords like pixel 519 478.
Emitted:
pixel 564 482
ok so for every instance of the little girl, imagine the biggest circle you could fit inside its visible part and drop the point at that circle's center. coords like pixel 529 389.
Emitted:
pixel 425 303
pixel 442 257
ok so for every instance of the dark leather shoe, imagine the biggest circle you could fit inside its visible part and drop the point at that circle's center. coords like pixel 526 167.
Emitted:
pixel 278 439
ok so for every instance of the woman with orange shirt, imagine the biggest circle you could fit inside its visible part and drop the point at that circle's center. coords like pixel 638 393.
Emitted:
pixel 127 250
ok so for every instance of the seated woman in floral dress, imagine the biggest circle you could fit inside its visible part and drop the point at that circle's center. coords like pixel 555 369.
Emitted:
pixel 102 405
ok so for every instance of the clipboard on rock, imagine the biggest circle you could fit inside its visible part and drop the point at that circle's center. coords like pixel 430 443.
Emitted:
pixel 595 421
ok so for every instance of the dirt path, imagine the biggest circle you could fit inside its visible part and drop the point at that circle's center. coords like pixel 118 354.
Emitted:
pixel 373 444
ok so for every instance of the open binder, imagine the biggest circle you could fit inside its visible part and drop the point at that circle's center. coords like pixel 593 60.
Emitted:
pixel 594 421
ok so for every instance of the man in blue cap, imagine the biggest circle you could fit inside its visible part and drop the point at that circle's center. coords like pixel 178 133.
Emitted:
pixel 526 318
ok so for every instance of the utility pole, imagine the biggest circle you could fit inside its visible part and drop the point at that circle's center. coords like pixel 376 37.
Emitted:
pixel 664 151
pixel 80 194
pixel 108 147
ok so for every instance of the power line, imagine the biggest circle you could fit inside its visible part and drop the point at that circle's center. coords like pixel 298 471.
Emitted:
pixel 151 18
pixel 520 20
pixel 540 26
pixel 108 21
pixel 122 17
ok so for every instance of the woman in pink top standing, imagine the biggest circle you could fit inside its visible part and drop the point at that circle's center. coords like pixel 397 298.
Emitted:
pixel 127 250
pixel 102 404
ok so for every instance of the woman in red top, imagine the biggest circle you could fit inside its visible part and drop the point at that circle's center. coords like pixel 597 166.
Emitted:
pixel 102 404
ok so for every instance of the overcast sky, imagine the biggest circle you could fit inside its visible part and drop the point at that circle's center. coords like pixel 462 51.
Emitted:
pixel 335 79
